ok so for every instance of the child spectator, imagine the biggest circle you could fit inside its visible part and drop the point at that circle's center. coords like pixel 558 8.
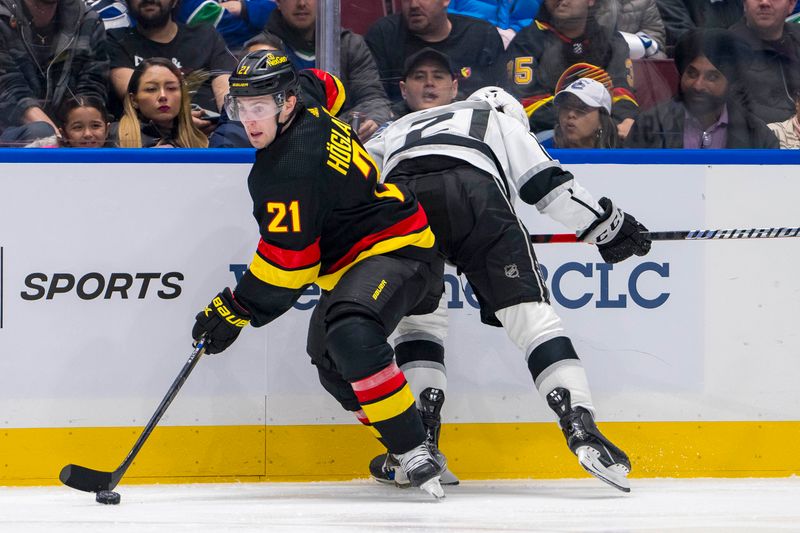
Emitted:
pixel 49 51
pixel 788 131
pixel 158 109
pixel 583 109
pixel 84 123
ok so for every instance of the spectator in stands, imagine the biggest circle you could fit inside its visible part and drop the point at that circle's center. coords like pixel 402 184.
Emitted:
pixel 583 109
pixel 705 113
pixel 236 20
pixel 84 122
pixel 680 16
pixel 639 22
pixel 788 131
pixel 190 48
pixel 429 80
pixel 773 75
pixel 295 23
pixel 508 16
pixel 474 46
pixel 157 109
pixel 50 50
pixel 543 59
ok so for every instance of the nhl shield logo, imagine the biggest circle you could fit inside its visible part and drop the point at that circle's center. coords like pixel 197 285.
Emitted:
pixel 511 271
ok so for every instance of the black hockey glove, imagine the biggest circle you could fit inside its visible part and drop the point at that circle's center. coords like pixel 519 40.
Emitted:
pixel 617 234
pixel 221 321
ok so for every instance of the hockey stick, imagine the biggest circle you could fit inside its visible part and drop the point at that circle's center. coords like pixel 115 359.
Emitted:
pixel 692 235
pixel 89 480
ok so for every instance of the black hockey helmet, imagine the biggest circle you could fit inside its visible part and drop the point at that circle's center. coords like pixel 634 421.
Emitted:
pixel 262 73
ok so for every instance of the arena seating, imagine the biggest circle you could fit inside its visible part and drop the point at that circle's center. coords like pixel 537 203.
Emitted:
pixel 655 80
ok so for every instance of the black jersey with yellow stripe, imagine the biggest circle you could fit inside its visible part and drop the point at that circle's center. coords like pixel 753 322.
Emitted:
pixel 321 209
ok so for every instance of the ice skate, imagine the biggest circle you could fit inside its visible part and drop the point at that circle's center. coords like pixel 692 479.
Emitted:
pixel 422 469
pixel 384 468
pixel 432 400
pixel 596 454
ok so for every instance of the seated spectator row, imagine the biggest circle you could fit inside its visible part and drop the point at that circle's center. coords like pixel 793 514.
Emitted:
pixel 154 73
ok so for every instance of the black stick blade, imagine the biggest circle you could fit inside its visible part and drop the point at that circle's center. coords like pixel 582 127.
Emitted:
pixel 86 479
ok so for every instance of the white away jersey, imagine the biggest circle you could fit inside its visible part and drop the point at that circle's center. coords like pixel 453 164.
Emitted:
pixel 474 132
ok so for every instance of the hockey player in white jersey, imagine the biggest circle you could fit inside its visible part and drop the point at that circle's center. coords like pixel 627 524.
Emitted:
pixel 466 162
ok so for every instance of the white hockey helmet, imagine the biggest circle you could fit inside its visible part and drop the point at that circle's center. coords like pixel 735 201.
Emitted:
pixel 502 102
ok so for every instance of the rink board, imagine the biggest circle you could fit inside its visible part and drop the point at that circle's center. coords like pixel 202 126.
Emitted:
pixel 691 351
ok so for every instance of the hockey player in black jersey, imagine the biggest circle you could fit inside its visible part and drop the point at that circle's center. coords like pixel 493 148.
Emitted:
pixel 324 218
pixel 466 162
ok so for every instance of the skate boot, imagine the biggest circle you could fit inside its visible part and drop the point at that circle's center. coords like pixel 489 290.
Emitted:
pixel 422 469
pixel 432 400
pixel 596 454
pixel 384 468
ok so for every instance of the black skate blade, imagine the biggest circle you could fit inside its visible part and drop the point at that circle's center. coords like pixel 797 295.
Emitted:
pixel 86 479
pixel 588 457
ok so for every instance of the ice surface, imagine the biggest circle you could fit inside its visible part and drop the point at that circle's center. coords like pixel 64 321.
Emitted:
pixel 364 506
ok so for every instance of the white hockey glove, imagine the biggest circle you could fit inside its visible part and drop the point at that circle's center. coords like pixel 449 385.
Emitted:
pixel 617 234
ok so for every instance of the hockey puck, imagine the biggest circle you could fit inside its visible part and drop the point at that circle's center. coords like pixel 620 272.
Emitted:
pixel 107 497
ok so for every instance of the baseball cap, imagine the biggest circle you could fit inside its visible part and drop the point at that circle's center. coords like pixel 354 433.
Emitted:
pixel 590 92
pixel 427 53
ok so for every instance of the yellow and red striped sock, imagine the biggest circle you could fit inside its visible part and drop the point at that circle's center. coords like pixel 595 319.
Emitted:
pixel 388 404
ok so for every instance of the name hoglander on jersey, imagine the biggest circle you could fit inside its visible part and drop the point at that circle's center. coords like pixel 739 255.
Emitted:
pixel 342 150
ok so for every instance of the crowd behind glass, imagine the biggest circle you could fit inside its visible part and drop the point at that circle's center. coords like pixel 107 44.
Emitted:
pixel 589 73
